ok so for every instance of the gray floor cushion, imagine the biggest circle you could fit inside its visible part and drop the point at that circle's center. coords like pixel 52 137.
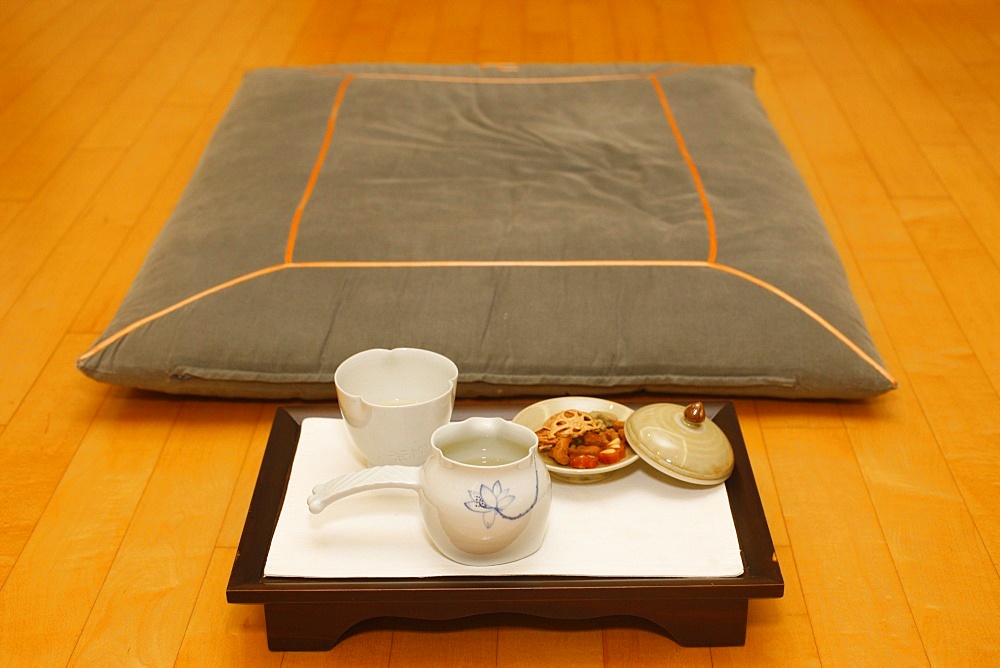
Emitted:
pixel 552 229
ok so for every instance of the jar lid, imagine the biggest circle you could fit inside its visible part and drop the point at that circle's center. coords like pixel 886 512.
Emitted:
pixel 682 442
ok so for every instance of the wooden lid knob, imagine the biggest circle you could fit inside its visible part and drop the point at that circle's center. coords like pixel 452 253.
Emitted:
pixel 695 413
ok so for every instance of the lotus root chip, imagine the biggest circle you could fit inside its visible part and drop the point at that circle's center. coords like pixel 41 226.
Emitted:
pixel 571 423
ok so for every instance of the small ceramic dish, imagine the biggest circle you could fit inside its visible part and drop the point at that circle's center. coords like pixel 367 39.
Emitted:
pixel 535 415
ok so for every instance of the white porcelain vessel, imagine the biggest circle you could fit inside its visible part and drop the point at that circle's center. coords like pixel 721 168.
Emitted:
pixel 484 492
pixel 393 400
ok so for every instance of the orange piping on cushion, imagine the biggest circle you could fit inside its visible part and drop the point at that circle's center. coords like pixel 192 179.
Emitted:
pixel 317 166
pixel 444 78
pixel 128 329
pixel 812 314
pixel 124 331
pixel 494 263
pixel 447 78
pixel 383 264
pixel 351 264
pixel 617 263
pixel 709 216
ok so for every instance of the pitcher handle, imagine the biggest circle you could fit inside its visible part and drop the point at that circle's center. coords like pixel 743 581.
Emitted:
pixel 376 477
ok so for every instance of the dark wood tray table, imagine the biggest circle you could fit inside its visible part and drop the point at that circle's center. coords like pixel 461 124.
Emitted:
pixel 313 614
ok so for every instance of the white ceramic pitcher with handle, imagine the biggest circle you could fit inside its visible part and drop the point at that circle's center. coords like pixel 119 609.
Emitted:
pixel 484 492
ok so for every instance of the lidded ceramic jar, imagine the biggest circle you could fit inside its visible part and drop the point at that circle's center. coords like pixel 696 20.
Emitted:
pixel 681 441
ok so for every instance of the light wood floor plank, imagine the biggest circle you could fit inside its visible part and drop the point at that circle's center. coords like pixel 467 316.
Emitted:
pixel 683 32
pixel 118 271
pixel 43 68
pixel 545 37
pixel 967 38
pixel 35 232
pixel 857 607
pixel 322 33
pixel 501 38
pixel 219 634
pixel 851 199
pixel 629 647
pixel 277 37
pixel 236 513
pixel 61 131
pixel 984 15
pixel 370 649
pixel 162 68
pixel 8 212
pixel 534 646
pixel 966 274
pixel 967 442
pixel 48 595
pixel 753 436
pixel 461 647
pixel 973 108
pixel 916 102
pixel 871 115
pixel 850 183
pixel 211 70
pixel 936 543
pixel 987 75
pixel 779 631
pixel 367 34
pixel 590 41
pixel 33 461
pixel 23 21
pixel 974 188
pixel 412 34
pixel 456 38
pixel 48 304
pixel 637 32
pixel 170 539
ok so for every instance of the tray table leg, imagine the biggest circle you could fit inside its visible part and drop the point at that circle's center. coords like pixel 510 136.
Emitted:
pixel 305 627
pixel 314 627
pixel 705 623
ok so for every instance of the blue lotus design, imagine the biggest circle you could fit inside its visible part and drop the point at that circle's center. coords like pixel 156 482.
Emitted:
pixel 490 501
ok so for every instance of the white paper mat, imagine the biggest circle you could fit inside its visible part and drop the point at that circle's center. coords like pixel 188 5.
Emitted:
pixel 637 523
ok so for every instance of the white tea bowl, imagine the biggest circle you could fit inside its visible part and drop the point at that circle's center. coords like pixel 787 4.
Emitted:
pixel 393 400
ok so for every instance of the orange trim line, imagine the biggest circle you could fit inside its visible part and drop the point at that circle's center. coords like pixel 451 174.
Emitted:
pixel 675 129
pixel 809 312
pixel 331 123
pixel 124 331
pixel 406 264
pixel 445 78
pixel 128 329
pixel 682 147
pixel 495 263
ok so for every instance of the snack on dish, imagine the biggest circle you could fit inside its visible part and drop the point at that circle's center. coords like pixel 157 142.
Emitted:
pixel 583 440
pixel 535 416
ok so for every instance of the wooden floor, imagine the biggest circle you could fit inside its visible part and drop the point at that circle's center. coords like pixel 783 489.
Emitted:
pixel 120 512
